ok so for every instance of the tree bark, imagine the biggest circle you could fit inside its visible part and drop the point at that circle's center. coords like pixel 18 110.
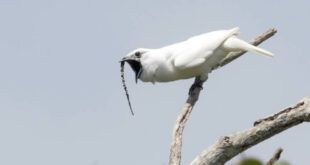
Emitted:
pixel 176 143
pixel 229 146
pixel 275 157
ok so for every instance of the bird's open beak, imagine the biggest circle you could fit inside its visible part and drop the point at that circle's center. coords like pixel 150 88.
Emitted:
pixel 134 64
pixel 124 59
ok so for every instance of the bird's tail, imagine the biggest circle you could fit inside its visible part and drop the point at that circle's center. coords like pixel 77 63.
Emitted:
pixel 234 44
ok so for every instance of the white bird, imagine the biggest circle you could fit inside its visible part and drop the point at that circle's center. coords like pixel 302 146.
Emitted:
pixel 193 57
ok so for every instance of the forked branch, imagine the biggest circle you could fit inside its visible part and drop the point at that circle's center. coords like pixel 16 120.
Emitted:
pixel 176 143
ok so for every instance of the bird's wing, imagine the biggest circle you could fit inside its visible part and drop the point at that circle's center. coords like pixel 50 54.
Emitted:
pixel 196 50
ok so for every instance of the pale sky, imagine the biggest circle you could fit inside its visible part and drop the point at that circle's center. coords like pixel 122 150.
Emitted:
pixel 61 98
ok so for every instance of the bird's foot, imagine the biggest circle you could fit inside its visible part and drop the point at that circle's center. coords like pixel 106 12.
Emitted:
pixel 195 85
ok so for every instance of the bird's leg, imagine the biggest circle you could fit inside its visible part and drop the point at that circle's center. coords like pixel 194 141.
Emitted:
pixel 197 84
pixel 194 85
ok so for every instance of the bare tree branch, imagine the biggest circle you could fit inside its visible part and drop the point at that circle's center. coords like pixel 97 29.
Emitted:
pixel 275 157
pixel 229 146
pixel 176 143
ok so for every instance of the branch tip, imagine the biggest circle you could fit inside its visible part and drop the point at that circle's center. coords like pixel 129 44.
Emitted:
pixel 275 157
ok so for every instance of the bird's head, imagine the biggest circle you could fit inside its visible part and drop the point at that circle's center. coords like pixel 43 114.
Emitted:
pixel 134 60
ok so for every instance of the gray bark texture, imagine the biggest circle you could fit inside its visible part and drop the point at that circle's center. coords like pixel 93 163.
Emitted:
pixel 229 146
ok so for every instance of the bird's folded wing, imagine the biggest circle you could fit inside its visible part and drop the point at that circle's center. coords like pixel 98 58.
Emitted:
pixel 196 50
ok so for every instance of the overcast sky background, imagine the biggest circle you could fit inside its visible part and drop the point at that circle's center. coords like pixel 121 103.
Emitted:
pixel 61 98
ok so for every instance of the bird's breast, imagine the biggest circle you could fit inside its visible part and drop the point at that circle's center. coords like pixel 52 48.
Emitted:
pixel 167 73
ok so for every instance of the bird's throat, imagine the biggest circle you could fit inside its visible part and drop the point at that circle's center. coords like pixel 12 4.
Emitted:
pixel 136 67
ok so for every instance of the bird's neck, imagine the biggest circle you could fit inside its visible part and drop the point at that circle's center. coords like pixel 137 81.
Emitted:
pixel 156 67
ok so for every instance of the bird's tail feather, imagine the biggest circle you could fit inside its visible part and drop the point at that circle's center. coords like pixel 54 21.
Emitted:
pixel 234 31
pixel 235 44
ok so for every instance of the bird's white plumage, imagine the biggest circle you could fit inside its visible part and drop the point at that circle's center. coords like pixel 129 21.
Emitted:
pixel 196 50
pixel 193 57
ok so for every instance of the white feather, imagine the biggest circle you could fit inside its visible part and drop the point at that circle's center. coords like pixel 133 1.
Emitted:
pixel 235 44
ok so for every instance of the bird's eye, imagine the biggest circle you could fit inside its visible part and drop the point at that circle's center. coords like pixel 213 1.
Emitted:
pixel 138 54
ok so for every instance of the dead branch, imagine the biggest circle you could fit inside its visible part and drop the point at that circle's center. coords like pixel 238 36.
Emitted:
pixel 275 157
pixel 229 146
pixel 176 143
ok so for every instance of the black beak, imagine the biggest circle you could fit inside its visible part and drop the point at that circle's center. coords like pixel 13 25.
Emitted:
pixel 135 65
